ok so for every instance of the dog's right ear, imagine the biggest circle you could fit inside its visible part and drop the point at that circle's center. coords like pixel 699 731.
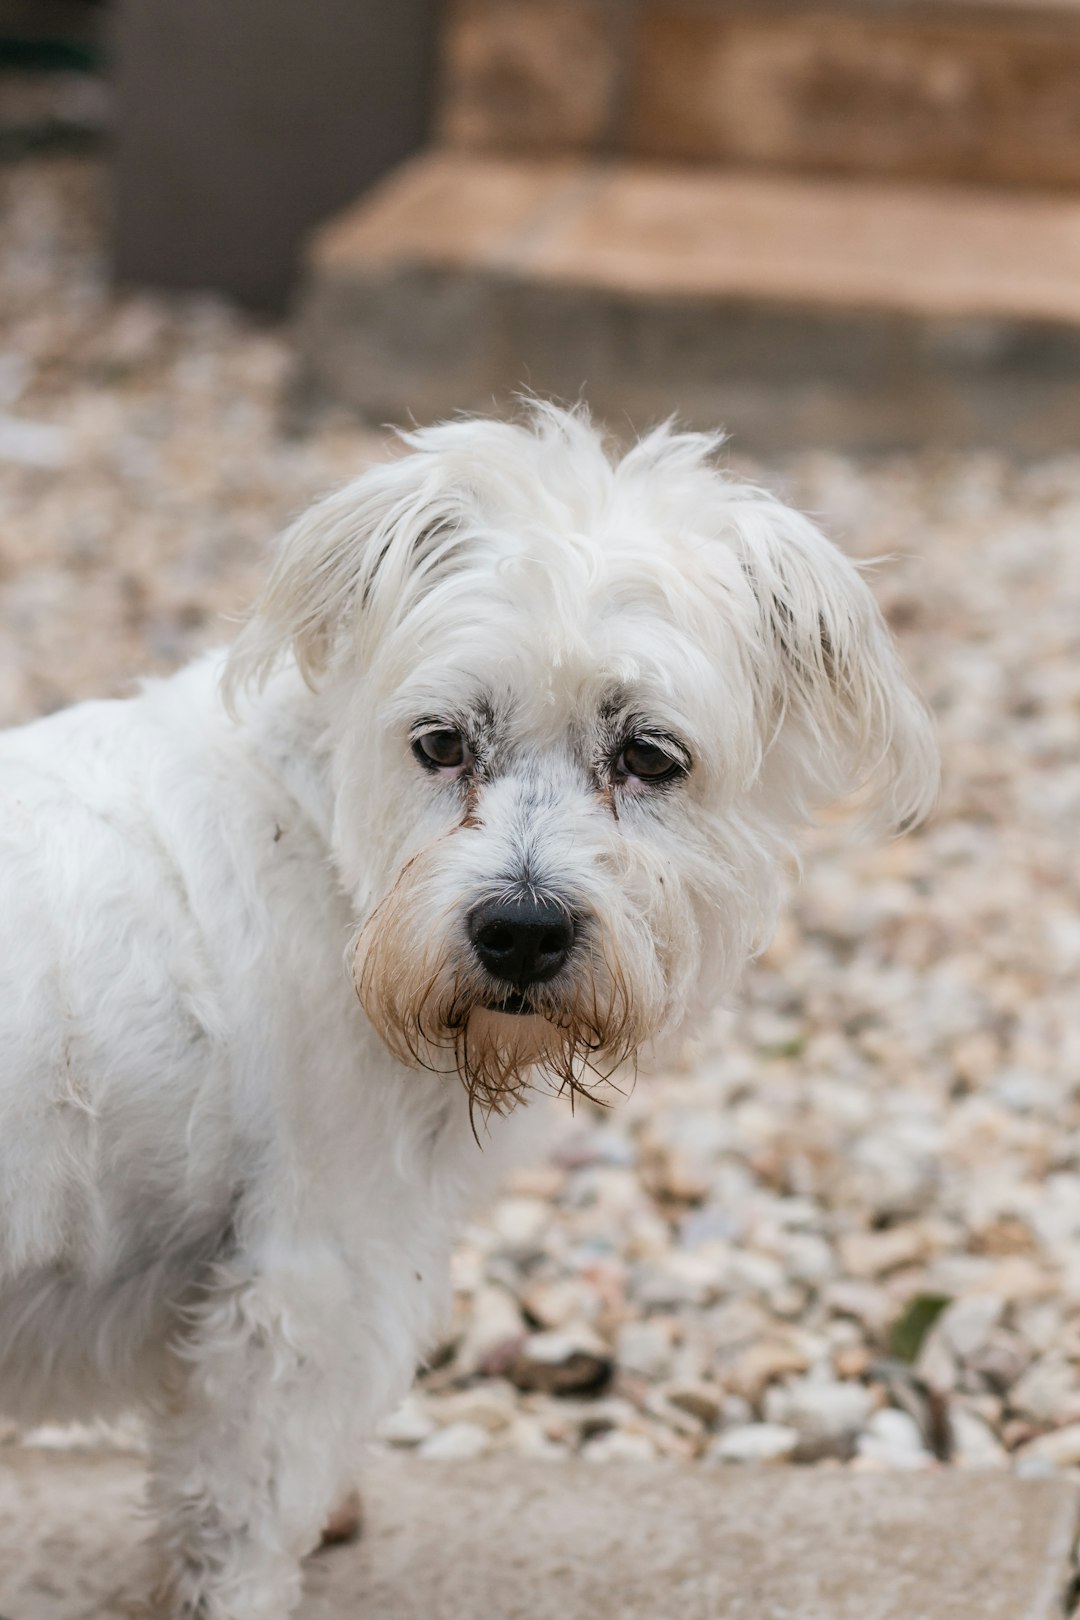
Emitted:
pixel 837 712
pixel 349 568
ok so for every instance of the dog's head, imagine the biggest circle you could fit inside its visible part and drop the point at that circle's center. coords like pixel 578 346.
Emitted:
pixel 577 706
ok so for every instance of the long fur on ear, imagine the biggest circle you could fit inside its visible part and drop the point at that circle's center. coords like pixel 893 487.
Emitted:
pixel 383 540
pixel 839 716
pixel 374 542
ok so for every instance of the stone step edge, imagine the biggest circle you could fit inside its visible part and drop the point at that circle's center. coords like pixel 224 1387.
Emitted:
pixel 653 232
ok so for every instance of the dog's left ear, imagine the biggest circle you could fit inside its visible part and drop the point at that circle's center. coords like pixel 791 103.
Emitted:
pixel 838 715
pixel 348 568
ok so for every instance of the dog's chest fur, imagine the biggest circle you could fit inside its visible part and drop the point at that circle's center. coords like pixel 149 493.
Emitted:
pixel 185 1071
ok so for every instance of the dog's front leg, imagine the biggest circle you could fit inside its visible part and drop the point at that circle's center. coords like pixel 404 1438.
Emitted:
pixel 257 1442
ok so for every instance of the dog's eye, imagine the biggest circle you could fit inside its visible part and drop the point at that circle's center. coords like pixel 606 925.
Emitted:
pixel 648 762
pixel 441 750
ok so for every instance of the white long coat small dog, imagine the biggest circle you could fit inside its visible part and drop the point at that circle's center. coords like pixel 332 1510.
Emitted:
pixel 493 795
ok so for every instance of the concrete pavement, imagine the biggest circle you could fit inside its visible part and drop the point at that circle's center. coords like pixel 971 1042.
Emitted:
pixel 506 1539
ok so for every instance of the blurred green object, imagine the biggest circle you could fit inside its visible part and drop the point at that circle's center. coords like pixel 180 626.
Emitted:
pixel 53 94
pixel 911 1327
pixel 52 36
pixel 50 56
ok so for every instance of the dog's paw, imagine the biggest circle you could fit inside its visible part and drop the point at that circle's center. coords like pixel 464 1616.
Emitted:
pixel 188 1593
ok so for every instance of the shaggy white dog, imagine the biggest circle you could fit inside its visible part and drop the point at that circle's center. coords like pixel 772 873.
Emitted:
pixel 494 793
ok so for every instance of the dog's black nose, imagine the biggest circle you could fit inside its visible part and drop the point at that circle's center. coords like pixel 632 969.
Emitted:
pixel 523 941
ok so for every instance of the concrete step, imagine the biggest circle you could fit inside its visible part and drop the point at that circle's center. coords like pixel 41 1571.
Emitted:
pixel 796 310
pixel 515 1540
pixel 964 90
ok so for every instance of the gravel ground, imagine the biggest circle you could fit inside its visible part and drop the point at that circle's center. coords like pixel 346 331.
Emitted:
pixel 848 1231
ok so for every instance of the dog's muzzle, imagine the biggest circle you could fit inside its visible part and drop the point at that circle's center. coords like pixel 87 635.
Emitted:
pixel 521 943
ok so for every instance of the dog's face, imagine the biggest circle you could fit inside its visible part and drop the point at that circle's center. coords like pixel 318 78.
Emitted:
pixel 577 706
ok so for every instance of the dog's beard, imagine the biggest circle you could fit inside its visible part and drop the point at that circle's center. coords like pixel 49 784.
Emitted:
pixel 435 1010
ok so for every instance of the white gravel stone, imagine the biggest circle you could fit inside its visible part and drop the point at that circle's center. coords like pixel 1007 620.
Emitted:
pixel 755 1443
pixel 490 1405
pixel 973 1441
pixel 410 1424
pixel 33 444
pixel 1058 1449
pixel 519 1222
pixel 679 1278
pixel 763 1364
pixel 618 1446
pixel 456 1442
pixel 966 1324
pixel 894 1438
pixel 646 1348
pixel 705 1402
pixel 874 1254
pixel 826 1414
pixel 495 1323
pixel 1048 1390
pixel 866 1303
pixel 560 1303
pixel 528 1437
pixel 937 1365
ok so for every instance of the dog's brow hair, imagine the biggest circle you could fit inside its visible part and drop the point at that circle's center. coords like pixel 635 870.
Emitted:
pixel 619 719
pixel 479 719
